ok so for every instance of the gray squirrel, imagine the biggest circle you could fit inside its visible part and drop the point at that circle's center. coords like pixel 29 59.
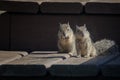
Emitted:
pixel 84 44
pixel 66 40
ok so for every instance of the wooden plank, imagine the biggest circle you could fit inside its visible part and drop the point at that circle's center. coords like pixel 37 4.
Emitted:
pixel 80 66
pixel 37 62
pixel 5 58
pixel 112 69
pixel 45 59
pixel 8 56
pixel 40 52
pixel 51 54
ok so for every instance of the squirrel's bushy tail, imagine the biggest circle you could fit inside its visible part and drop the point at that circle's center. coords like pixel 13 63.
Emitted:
pixel 106 46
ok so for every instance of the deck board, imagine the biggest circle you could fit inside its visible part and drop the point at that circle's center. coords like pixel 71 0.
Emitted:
pixel 8 56
pixel 31 65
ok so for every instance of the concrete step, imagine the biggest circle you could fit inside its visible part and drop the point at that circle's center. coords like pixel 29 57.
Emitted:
pixel 112 69
pixel 8 56
pixel 80 67
pixel 31 65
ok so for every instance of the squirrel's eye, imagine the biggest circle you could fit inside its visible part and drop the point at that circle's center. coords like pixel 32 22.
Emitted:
pixel 77 30
pixel 83 34
pixel 60 30
pixel 68 29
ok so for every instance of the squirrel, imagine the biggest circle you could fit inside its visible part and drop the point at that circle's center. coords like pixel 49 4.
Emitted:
pixel 66 40
pixel 84 44
pixel 80 43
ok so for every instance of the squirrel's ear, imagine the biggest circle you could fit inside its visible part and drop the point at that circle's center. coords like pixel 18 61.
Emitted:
pixel 60 24
pixel 85 27
pixel 77 26
pixel 68 23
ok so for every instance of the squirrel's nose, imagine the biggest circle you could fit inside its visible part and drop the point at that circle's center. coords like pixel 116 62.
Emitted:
pixel 67 37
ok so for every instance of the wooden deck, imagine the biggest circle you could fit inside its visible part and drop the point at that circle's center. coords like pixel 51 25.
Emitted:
pixel 32 25
pixel 45 64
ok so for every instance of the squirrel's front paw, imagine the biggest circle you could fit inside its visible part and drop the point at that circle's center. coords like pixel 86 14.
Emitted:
pixel 78 56
pixel 86 56
pixel 93 55
pixel 71 54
